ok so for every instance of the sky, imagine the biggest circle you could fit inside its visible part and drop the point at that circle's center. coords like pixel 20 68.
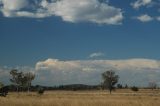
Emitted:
pixel 77 40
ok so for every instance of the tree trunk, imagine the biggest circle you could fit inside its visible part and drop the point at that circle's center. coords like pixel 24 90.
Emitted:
pixel 28 89
pixel 29 85
pixel 17 89
pixel 110 90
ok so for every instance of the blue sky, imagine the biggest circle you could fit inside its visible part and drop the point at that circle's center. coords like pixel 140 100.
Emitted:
pixel 34 31
pixel 26 41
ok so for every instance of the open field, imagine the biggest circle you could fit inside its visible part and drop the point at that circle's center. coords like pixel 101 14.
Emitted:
pixel 84 98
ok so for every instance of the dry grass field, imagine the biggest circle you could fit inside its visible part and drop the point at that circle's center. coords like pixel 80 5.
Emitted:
pixel 84 98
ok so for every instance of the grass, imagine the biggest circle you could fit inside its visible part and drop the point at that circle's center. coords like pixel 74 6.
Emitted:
pixel 84 98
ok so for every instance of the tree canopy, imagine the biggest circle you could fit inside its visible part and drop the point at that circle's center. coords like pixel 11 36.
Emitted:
pixel 109 79
pixel 21 79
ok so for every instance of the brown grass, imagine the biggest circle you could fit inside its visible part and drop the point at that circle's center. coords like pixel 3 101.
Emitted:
pixel 83 98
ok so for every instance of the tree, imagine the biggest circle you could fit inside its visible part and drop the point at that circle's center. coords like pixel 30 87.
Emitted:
pixel 109 79
pixel 126 86
pixel 16 76
pixel 1 84
pixel 21 79
pixel 152 85
pixel 29 76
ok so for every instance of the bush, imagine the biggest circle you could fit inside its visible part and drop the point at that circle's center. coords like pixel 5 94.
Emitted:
pixel 41 90
pixel 134 88
pixel 4 91
pixel 119 86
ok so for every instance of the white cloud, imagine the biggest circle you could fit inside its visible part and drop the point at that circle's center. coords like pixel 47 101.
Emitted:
pixel 131 71
pixel 97 54
pixel 87 10
pixel 158 18
pixel 50 72
pixel 14 4
pixel 10 6
pixel 145 18
pixel 69 10
pixel 56 64
pixel 140 3
pixel 32 15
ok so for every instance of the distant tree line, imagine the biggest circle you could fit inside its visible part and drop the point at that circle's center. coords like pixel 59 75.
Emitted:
pixel 22 82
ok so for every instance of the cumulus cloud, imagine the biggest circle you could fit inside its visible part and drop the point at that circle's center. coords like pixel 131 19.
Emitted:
pixel 145 18
pixel 69 10
pixel 137 4
pixel 132 71
pixel 51 72
pixel 87 10
pixel 14 4
pixel 8 7
pixel 96 54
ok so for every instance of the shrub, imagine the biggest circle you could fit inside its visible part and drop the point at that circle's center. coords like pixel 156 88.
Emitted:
pixel 4 91
pixel 134 88
pixel 41 90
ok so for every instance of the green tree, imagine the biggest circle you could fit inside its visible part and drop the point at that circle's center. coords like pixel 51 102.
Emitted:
pixel 16 76
pixel 109 79
pixel 20 79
